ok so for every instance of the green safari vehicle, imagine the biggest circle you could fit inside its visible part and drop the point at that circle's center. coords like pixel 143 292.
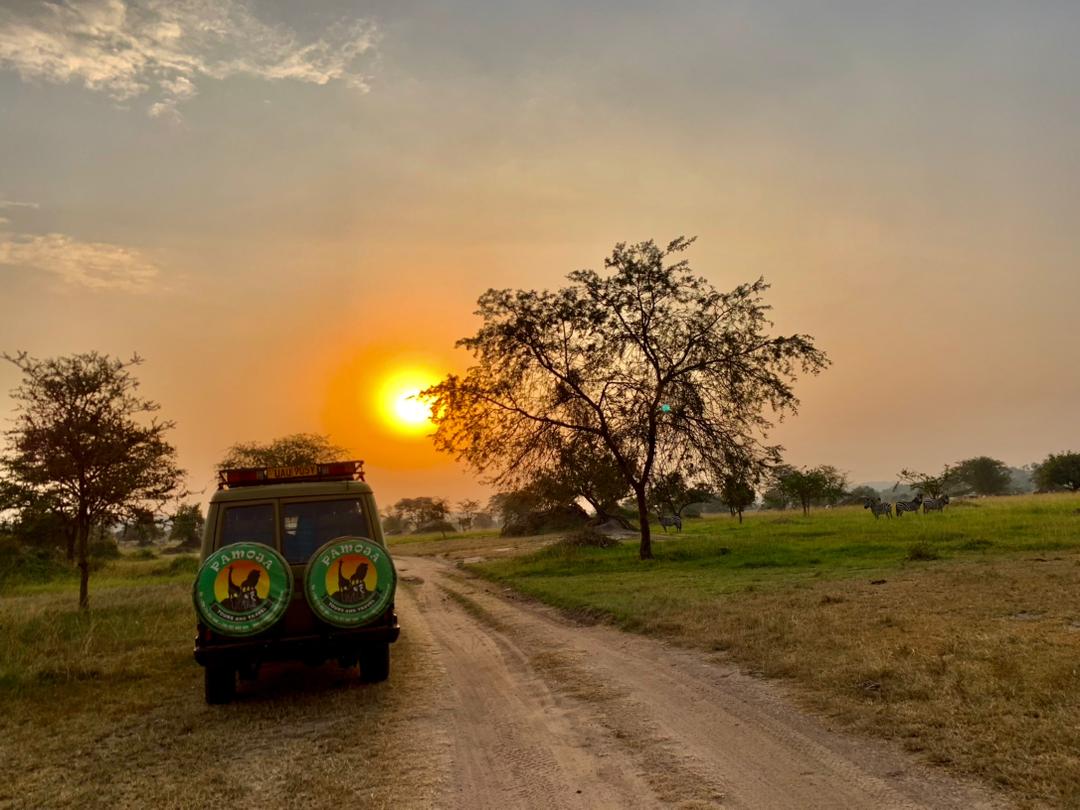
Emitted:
pixel 294 567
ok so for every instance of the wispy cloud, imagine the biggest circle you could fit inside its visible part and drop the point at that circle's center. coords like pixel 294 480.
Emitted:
pixel 162 49
pixel 17 204
pixel 93 265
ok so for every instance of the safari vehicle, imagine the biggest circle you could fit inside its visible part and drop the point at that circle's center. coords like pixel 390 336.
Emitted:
pixel 293 567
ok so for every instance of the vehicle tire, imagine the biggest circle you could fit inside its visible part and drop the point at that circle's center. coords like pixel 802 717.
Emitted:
pixel 375 662
pixel 220 684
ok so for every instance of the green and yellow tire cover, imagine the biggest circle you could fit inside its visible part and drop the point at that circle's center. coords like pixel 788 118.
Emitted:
pixel 243 589
pixel 350 581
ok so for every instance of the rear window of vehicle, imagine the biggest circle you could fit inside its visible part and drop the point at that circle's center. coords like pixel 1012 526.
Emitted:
pixel 248 524
pixel 306 525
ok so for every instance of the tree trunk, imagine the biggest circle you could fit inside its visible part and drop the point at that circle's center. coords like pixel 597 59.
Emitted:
pixel 645 551
pixel 740 516
pixel 84 564
pixel 69 536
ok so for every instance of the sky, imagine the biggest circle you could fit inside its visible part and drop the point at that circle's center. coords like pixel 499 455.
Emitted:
pixel 284 206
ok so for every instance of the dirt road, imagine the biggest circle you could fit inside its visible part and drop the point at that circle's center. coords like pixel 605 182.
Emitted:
pixel 540 712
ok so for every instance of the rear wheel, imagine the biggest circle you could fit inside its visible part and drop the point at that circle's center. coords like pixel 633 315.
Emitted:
pixel 375 662
pixel 220 684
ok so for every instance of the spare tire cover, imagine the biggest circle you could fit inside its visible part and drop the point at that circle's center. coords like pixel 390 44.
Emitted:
pixel 243 589
pixel 350 581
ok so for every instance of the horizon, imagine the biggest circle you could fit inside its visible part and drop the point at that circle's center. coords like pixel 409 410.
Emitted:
pixel 286 210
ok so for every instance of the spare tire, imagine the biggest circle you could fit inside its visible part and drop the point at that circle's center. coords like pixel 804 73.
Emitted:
pixel 350 581
pixel 243 589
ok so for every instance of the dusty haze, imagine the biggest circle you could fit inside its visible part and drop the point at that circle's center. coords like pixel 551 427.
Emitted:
pixel 273 226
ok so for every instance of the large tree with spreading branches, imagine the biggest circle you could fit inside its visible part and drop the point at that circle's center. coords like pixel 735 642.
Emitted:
pixel 647 360
pixel 86 443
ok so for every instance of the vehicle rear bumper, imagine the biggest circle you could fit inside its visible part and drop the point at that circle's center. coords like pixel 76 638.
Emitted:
pixel 339 643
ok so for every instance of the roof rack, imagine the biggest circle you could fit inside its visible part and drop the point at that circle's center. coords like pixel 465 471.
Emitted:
pixel 296 473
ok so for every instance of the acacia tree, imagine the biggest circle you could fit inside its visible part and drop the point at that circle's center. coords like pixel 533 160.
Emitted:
pixel 286 451
pixel 807 485
pixel 672 492
pixel 467 510
pixel 931 485
pixel 737 493
pixel 84 440
pixel 644 357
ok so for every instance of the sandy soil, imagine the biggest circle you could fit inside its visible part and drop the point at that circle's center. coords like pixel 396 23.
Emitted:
pixel 543 712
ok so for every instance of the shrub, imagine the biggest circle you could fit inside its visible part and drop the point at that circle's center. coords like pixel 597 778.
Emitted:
pixel 177 565
pixel 22 564
pixel 922 551
pixel 436 526
pixel 103 549
pixel 588 537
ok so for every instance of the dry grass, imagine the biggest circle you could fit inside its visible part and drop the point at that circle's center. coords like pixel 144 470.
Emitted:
pixel 966 650
pixel 976 666
pixel 107 710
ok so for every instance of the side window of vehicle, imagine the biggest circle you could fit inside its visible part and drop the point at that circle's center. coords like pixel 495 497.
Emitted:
pixel 248 524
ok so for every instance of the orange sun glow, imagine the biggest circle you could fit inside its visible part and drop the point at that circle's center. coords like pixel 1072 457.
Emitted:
pixel 399 406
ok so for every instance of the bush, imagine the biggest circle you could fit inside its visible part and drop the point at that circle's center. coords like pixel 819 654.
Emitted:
pixel 922 551
pixel 144 554
pixel 22 564
pixel 103 549
pixel 557 519
pixel 436 527
pixel 177 565
pixel 588 537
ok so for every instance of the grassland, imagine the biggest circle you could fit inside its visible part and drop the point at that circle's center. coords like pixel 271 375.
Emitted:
pixel 957 635
pixel 105 709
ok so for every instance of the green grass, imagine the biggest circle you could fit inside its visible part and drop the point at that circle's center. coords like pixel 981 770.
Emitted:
pixel 125 571
pixel 716 555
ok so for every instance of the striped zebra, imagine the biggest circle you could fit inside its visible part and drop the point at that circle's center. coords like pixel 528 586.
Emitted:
pixel 909 506
pixel 878 507
pixel 935 504
pixel 671 520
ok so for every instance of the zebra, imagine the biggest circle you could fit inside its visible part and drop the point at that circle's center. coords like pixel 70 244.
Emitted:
pixel 909 506
pixel 670 520
pixel 935 504
pixel 878 507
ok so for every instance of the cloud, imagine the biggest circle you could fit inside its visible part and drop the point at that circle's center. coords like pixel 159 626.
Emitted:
pixel 93 265
pixel 17 204
pixel 163 48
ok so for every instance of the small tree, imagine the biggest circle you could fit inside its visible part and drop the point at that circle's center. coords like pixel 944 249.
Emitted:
pixel 141 527
pixel 83 439
pixel 467 510
pixel 981 475
pixel 811 485
pixel 296 448
pixel 671 493
pixel 416 513
pixel 933 486
pixel 737 493
pixel 187 525
pixel 1059 471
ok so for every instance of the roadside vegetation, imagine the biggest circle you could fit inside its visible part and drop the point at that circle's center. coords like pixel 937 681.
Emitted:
pixel 957 635
pixel 105 707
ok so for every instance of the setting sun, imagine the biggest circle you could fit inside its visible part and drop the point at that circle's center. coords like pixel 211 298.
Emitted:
pixel 398 401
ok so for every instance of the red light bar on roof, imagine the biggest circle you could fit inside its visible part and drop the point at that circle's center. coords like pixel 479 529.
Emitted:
pixel 330 471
